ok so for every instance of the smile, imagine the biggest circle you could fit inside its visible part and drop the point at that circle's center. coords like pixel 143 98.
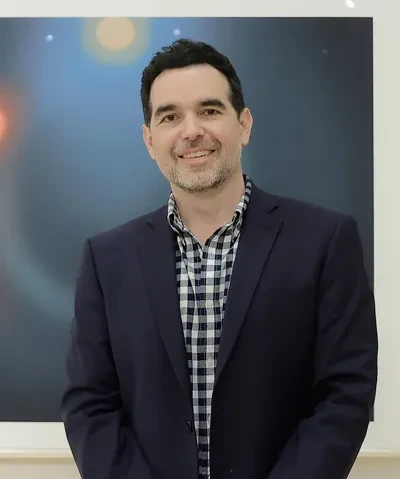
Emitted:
pixel 197 154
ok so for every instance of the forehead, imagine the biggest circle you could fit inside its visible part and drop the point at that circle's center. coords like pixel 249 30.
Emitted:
pixel 189 85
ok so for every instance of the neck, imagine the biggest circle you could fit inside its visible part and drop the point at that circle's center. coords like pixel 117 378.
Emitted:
pixel 206 211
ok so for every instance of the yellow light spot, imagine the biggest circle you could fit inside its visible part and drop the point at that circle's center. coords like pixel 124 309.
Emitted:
pixel 115 41
pixel 115 34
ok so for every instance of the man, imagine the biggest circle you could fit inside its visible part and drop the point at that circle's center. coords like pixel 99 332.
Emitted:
pixel 229 334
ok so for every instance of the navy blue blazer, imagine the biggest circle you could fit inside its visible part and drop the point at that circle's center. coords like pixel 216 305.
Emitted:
pixel 297 367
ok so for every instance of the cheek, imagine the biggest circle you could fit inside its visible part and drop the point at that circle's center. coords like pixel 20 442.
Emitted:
pixel 229 136
pixel 163 145
pixel 163 155
pixel 232 142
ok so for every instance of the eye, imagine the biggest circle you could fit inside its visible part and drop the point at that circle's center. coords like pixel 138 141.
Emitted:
pixel 169 118
pixel 211 112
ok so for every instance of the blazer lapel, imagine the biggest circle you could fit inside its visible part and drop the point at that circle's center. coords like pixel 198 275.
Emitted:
pixel 159 270
pixel 260 229
pixel 259 232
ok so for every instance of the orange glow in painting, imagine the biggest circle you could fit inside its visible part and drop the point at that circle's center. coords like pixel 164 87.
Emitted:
pixel 10 117
pixel 3 125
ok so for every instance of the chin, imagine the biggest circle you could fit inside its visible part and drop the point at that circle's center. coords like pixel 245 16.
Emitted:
pixel 199 183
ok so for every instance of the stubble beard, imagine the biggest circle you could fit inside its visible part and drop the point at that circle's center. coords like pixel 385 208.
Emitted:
pixel 200 178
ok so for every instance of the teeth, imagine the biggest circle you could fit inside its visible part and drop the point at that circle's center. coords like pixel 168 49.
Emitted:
pixel 197 154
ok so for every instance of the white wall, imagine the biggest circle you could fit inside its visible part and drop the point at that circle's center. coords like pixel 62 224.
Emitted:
pixel 365 468
pixel 38 469
pixel 30 451
pixel 375 469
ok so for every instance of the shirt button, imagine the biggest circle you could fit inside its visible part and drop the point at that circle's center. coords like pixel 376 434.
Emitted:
pixel 209 304
pixel 189 426
pixel 210 362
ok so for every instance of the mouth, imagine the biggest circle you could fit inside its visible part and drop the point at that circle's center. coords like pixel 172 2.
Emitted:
pixel 196 155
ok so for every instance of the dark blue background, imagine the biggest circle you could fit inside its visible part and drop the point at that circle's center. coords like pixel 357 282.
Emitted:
pixel 77 165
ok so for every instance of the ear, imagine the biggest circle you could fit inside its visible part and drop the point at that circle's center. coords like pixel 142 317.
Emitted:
pixel 246 123
pixel 147 138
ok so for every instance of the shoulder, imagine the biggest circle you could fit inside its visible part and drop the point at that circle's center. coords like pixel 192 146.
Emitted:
pixel 125 234
pixel 305 214
pixel 307 223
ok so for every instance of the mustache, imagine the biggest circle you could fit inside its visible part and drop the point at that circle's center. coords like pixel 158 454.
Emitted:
pixel 178 151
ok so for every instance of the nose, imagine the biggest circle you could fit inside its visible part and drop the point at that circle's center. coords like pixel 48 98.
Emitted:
pixel 191 128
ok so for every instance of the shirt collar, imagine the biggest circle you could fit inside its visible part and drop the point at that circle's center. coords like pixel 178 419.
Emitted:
pixel 178 226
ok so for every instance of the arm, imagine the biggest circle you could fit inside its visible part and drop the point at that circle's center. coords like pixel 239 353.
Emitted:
pixel 325 445
pixel 102 444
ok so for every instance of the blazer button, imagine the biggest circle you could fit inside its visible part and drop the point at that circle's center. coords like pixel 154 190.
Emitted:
pixel 189 426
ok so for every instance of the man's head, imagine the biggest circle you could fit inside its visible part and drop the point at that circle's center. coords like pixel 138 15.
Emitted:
pixel 193 105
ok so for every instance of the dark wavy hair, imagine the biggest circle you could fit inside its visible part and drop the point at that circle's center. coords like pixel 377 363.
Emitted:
pixel 182 53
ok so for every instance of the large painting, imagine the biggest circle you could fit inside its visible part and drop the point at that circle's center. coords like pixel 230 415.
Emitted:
pixel 73 162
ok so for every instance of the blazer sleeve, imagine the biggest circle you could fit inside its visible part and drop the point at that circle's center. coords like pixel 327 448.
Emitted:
pixel 100 439
pixel 326 444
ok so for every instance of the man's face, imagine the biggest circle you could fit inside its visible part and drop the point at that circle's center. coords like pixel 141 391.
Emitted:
pixel 195 135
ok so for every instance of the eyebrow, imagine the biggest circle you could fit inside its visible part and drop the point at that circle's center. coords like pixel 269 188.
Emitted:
pixel 205 103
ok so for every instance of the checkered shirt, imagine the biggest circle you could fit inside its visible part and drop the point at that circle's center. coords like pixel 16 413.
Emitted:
pixel 203 277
